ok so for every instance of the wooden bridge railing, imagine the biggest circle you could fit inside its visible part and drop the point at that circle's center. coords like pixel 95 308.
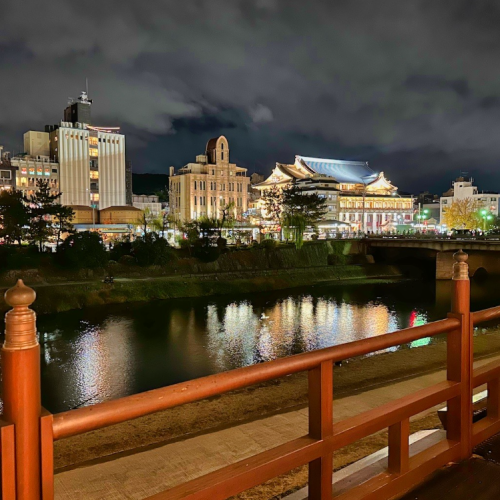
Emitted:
pixel 27 431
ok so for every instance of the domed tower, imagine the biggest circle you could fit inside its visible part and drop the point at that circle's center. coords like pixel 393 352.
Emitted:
pixel 218 150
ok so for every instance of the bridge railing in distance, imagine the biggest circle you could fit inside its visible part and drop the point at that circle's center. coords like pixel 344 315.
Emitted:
pixel 27 431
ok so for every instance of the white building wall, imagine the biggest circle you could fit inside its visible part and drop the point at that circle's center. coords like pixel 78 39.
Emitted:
pixel 74 166
pixel 112 191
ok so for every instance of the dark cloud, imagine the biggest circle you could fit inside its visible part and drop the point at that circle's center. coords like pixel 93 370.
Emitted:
pixel 412 87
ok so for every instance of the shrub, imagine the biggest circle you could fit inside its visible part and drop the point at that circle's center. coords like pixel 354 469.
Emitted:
pixel 120 249
pixel 82 251
pixel 151 250
pixel 268 243
pixel 127 260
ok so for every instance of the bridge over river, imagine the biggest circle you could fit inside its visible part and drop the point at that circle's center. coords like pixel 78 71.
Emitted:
pixel 483 256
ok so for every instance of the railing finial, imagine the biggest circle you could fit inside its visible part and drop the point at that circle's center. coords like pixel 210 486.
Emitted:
pixel 20 321
pixel 460 268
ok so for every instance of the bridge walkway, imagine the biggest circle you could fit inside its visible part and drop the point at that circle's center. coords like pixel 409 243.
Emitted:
pixel 129 475
pixel 476 478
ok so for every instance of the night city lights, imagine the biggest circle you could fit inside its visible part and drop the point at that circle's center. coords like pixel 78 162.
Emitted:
pixel 249 250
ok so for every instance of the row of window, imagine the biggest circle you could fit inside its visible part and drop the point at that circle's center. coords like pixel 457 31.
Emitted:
pixel 202 201
pixel 376 204
pixel 202 186
pixel 92 140
pixel 38 170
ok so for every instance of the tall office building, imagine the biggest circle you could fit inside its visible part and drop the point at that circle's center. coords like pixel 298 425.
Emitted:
pixel 91 159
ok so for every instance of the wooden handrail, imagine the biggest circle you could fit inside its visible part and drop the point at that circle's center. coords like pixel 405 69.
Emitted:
pixel 485 315
pixel 100 415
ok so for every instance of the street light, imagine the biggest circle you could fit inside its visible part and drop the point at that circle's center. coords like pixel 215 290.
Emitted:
pixel 485 216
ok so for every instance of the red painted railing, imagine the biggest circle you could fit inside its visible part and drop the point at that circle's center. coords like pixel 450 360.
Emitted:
pixel 27 432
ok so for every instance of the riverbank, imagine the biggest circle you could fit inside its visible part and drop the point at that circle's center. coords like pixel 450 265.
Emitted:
pixel 64 296
pixel 279 396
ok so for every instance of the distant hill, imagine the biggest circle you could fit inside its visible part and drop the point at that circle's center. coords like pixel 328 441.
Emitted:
pixel 148 183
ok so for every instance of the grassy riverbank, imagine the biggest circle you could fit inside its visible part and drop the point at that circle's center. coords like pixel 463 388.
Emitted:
pixel 58 297
pixel 283 395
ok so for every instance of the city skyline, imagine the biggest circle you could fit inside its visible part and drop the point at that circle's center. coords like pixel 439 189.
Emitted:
pixel 409 88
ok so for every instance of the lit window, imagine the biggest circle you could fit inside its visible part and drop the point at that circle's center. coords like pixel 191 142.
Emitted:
pixel 94 174
pixel 39 171
pixel 24 170
pixel 93 152
pixel 93 141
pixel 32 170
pixel 47 171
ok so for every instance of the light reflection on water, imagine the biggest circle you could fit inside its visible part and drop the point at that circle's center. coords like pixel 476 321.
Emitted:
pixel 108 352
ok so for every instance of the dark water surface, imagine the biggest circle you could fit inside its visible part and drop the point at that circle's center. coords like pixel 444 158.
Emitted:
pixel 102 353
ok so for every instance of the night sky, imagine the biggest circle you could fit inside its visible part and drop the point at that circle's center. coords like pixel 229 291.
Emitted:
pixel 411 86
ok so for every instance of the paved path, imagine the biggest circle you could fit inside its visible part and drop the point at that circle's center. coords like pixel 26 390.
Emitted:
pixel 139 475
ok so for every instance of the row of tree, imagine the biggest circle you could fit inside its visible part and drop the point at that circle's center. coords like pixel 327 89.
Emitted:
pixel 468 213
pixel 37 218
pixel 293 210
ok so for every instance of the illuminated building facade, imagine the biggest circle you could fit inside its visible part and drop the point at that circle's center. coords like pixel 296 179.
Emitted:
pixel 205 187
pixel 463 188
pixel 7 171
pixel 355 195
pixel 91 159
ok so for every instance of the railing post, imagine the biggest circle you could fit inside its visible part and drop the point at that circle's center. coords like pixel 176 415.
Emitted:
pixel 460 359
pixel 321 427
pixel 21 388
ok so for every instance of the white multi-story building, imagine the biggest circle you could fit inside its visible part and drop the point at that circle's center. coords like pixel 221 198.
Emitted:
pixel 463 188
pixel 149 202
pixel 91 159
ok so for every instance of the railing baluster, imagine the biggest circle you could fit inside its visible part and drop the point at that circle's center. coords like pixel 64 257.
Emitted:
pixel 399 447
pixel 321 427
pixel 21 388
pixel 47 455
pixel 493 404
pixel 7 462
pixel 460 359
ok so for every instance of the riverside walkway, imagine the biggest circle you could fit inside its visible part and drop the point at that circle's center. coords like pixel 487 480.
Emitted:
pixel 128 475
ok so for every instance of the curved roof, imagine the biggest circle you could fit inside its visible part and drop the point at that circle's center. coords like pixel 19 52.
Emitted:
pixel 343 171
pixel 212 143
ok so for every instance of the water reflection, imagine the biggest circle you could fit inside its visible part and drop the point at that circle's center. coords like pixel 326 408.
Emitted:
pixel 108 352
pixel 244 334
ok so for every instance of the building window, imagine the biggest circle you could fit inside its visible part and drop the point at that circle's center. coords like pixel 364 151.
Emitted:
pixel 195 185
pixel 93 152
pixel 5 174
pixel 195 200
pixel 222 156
pixel 93 141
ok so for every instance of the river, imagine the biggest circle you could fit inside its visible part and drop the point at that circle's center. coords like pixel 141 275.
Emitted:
pixel 102 353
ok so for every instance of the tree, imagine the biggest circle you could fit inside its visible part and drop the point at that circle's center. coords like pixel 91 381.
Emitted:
pixel 161 222
pixel 145 220
pixel 273 204
pixel 300 209
pixel 227 219
pixel 14 216
pixel 83 250
pixel 41 208
pixel 462 214
pixel 151 249
pixel 63 216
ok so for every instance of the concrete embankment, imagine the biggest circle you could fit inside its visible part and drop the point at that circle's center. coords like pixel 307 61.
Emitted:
pixel 57 297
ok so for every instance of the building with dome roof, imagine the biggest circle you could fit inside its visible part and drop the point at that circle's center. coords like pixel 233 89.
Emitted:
pixel 205 187
pixel 355 195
